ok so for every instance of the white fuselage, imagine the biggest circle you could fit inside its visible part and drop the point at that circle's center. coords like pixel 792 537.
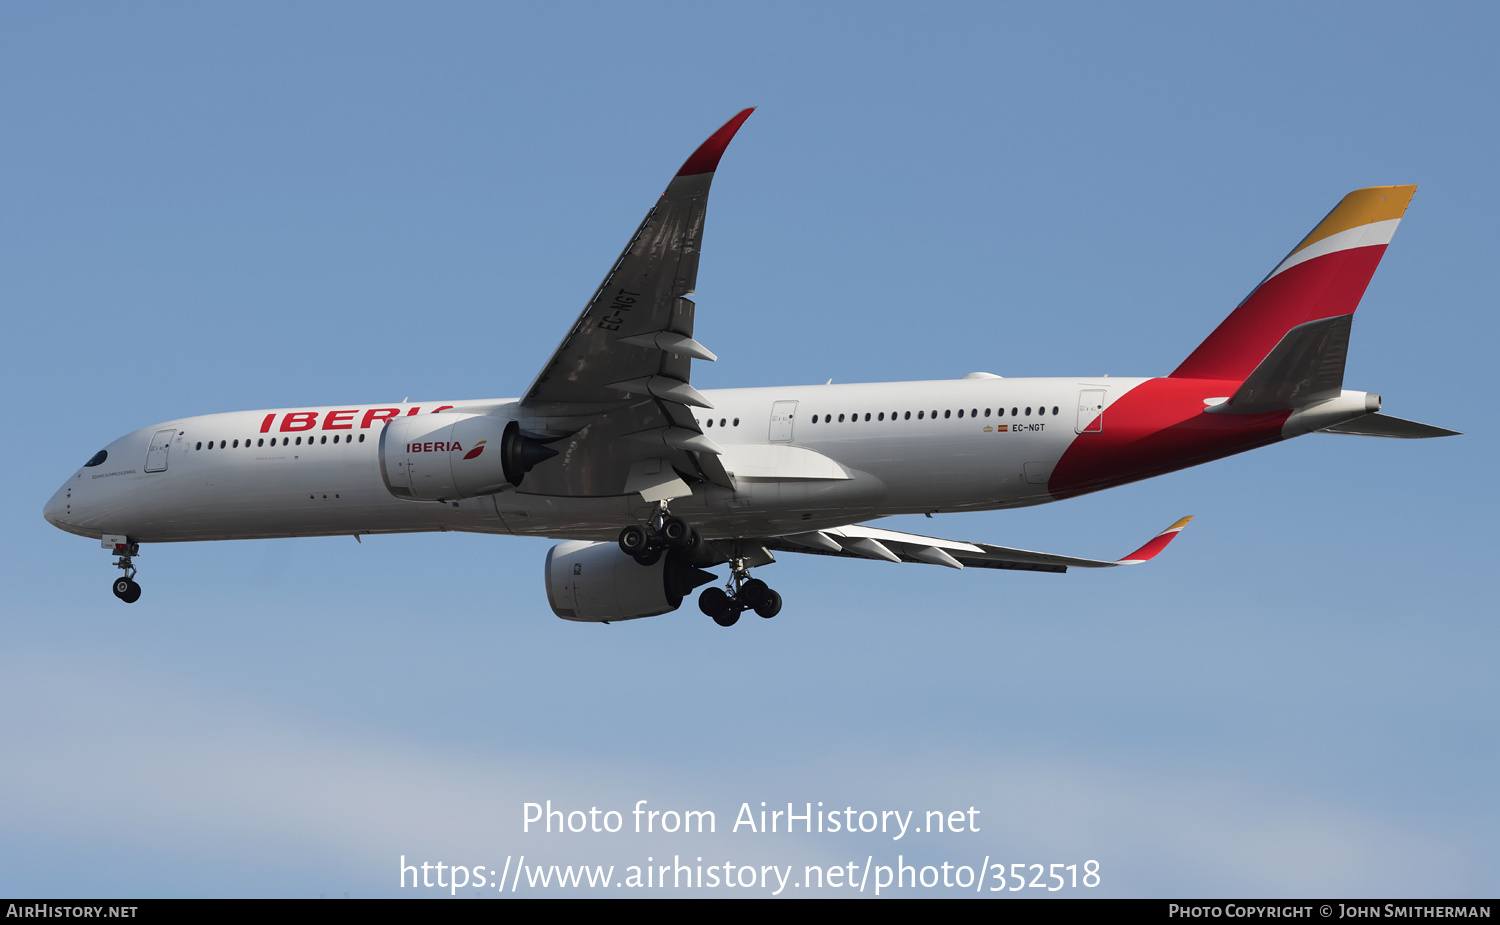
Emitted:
pixel 842 453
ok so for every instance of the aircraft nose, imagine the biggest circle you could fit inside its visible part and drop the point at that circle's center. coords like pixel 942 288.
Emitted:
pixel 56 509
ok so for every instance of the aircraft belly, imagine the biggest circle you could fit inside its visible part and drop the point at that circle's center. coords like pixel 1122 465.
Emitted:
pixel 972 471
pixel 526 514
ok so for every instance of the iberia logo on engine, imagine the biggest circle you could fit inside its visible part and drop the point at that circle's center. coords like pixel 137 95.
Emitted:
pixel 444 446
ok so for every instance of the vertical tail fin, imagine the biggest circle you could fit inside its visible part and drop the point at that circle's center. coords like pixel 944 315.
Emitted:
pixel 1323 277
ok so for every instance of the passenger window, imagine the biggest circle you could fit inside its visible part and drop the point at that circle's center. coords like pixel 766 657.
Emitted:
pixel 361 438
pixel 867 415
pixel 986 412
pixel 710 422
pixel 1054 409
pixel 736 422
pixel 841 419
pixel 947 415
pixel 324 440
pixel 880 417
pixel 921 414
pixel 907 417
pixel 960 412
pixel 199 446
pixel 299 441
pixel 1028 411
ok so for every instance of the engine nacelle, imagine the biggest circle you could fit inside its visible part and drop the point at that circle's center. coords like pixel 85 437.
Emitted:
pixel 597 583
pixel 441 457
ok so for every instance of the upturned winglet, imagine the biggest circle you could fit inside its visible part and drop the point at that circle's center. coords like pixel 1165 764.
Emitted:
pixel 1156 544
pixel 706 158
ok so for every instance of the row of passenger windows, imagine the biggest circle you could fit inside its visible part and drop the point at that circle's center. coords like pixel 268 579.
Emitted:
pixel 722 422
pixel 973 413
pixel 285 441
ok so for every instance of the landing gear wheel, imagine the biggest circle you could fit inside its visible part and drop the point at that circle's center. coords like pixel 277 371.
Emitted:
pixel 717 604
pixel 753 592
pixel 124 587
pixel 634 540
pixel 769 605
pixel 676 533
pixel 650 556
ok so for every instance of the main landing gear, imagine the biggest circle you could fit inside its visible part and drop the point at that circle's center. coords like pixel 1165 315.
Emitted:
pixel 741 594
pixel 666 533
pixel 125 587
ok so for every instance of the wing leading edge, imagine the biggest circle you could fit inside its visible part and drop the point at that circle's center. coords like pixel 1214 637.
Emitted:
pixel 621 376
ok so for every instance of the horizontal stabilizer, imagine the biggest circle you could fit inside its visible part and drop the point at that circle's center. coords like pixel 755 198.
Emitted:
pixel 1306 366
pixel 1383 425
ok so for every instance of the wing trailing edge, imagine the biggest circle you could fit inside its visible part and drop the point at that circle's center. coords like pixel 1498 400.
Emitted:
pixel 860 542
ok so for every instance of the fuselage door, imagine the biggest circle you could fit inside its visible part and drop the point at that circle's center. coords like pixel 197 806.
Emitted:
pixel 782 413
pixel 1090 412
pixel 156 457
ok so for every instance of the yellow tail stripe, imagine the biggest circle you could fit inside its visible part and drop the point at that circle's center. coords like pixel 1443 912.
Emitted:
pixel 1362 207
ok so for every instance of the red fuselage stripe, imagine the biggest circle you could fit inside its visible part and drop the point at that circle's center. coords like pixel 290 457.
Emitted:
pixel 1157 427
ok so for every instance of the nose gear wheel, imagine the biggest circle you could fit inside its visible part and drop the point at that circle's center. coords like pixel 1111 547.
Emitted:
pixel 125 587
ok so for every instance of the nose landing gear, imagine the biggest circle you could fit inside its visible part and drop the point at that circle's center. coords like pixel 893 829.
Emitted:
pixel 127 590
pixel 742 593
pixel 125 587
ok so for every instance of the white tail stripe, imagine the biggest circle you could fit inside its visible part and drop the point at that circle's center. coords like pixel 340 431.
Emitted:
pixel 1359 236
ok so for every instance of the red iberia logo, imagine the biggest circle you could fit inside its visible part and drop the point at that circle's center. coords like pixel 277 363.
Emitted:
pixel 478 448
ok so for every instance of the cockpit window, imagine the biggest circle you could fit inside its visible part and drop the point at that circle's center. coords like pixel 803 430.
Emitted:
pixel 97 459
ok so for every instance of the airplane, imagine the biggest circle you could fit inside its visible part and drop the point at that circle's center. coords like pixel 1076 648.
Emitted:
pixel 650 482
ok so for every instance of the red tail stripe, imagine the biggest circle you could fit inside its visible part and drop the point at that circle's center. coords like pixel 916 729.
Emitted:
pixel 1320 288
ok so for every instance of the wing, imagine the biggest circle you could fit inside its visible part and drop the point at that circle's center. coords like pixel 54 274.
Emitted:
pixel 620 379
pixel 873 543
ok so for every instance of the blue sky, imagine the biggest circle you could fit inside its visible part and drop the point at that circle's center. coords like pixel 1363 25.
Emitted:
pixel 218 208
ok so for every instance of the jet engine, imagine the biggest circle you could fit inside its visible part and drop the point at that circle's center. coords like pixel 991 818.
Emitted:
pixel 597 583
pixel 441 457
